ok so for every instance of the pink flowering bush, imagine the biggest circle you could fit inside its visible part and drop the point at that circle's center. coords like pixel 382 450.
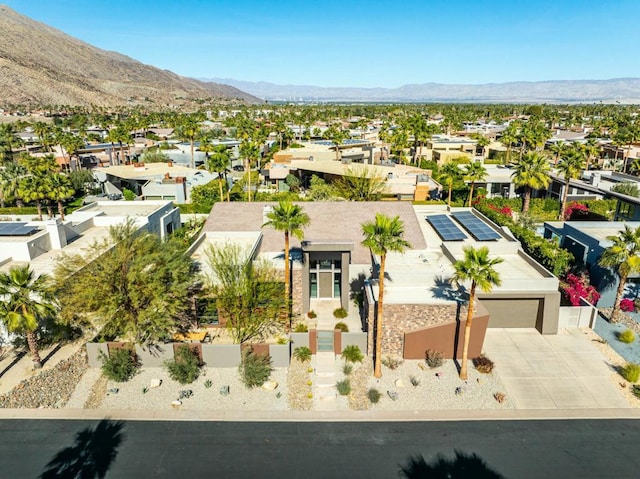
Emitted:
pixel 578 286
pixel 575 207
pixel 504 210
pixel 627 305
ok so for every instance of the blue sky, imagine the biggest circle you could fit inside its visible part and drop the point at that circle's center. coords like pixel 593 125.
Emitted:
pixel 361 43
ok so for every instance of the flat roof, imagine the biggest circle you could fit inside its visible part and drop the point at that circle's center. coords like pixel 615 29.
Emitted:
pixel 598 230
pixel 148 171
pixel 120 208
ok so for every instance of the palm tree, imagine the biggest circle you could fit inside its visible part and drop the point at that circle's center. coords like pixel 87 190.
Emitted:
pixel 218 162
pixel 381 236
pixel 119 135
pixel 59 189
pixel 189 129
pixel 26 302
pixel 571 166
pixel 509 138
pixel 481 141
pixel 624 256
pixel 249 150
pixel 449 174
pixel 290 219
pixel 474 172
pixel 557 148
pixel 477 268
pixel 531 173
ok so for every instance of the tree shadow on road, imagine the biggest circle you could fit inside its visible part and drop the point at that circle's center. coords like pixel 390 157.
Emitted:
pixel 463 466
pixel 90 456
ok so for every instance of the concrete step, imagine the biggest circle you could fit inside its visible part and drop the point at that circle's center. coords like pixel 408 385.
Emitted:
pixel 326 381
pixel 325 393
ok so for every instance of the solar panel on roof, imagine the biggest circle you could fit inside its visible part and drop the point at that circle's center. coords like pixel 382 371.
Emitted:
pixel 17 229
pixel 474 225
pixel 446 228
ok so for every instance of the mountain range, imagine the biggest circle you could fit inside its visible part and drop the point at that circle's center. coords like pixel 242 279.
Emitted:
pixel 622 90
pixel 42 65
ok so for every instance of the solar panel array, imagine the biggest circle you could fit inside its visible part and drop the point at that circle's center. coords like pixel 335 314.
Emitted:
pixel 474 225
pixel 446 229
pixel 16 229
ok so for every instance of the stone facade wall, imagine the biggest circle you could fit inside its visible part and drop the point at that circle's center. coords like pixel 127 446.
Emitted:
pixel 401 318
pixel 296 293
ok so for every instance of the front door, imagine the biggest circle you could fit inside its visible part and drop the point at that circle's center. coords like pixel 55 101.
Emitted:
pixel 326 285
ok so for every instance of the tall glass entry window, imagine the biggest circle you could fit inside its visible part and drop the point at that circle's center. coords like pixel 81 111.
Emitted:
pixel 325 278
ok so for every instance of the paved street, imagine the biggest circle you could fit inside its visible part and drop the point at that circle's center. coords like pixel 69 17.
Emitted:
pixel 513 449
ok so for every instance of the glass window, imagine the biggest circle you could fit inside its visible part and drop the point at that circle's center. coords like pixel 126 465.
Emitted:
pixel 336 285
pixel 326 264
pixel 313 264
pixel 313 285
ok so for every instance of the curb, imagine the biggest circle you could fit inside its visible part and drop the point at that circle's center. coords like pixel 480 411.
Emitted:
pixel 321 416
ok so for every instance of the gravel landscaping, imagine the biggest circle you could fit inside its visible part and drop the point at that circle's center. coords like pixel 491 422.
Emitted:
pixel 131 395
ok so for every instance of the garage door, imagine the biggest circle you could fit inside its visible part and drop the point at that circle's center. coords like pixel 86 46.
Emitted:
pixel 514 313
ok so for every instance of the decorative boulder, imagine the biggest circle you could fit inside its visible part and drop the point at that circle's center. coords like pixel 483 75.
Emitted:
pixel 176 404
pixel 399 383
pixel 270 385
pixel 155 383
pixel 393 395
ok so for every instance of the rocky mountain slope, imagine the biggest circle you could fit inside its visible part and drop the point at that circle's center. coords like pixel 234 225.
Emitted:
pixel 623 90
pixel 39 64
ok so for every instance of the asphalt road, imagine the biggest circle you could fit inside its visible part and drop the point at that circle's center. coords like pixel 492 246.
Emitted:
pixel 185 450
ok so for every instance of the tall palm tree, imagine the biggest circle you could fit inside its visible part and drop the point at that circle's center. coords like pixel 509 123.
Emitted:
pixel 290 219
pixel 473 173
pixel 218 162
pixel 26 302
pixel 531 173
pixel 624 256
pixel 381 236
pixel 59 189
pixel 571 166
pixel 189 129
pixel 509 138
pixel 557 148
pixel 119 134
pixel 481 141
pixel 479 269
pixel 250 150
pixel 449 174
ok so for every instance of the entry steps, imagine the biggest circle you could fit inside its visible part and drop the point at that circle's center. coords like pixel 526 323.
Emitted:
pixel 325 380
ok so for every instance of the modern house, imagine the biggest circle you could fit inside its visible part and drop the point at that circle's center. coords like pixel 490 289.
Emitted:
pixel 422 309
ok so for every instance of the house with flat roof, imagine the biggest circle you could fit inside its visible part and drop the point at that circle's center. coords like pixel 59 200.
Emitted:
pixel 422 309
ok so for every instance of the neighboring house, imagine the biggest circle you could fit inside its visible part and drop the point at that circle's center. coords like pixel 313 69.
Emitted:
pixel 445 148
pixel 422 310
pixel 155 181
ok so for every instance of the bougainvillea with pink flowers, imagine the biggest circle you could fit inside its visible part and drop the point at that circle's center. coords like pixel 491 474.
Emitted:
pixel 576 286
pixel 575 207
pixel 627 305
pixel 504 210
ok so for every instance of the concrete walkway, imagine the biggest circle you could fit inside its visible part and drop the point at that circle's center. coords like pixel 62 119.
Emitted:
pixel 563 371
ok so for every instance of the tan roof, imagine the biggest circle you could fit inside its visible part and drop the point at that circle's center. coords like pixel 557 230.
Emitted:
pixel 330 221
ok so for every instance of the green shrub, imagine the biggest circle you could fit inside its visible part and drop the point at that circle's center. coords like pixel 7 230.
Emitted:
pixel 343 387
pixel 302 354
pixel 312 314
pixel 255 369
pixel 128 194
pixel 391 362
pixel 342 327
pixel 626 336
pixel 185 367
pixel 631 372
pixel 208 383
pixel 120 365
pixel 282 340
pixel 483 364
pixel 347 369
pixel 636 391
pixel 301 328
pixel 352 354
pixel 434 358
pixel 340 313
pixel 374 395
pixel 415 382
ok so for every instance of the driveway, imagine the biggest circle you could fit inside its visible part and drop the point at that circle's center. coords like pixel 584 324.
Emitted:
pixel 560 371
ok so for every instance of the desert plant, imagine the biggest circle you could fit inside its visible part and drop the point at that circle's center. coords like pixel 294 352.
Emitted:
pixel 302 354
pixel 626 336
pixel 500 397
pixel 374 395
pixel 434 358
pixel 347 369
pixel 340 313
pixel 312 314
pixel 120 365
pixel 301 328
pixel 208 383
pixel 391 362
pixel 254 369
pixel 631 372
pixel 415 382
pixel 636 391
pixel 483 364
pixel 352 354
pixel 342 327
pixel 343 387
pixel 185 367
pixel 282 340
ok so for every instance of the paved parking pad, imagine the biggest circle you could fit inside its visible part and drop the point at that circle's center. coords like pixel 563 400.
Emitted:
pixel 563 371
